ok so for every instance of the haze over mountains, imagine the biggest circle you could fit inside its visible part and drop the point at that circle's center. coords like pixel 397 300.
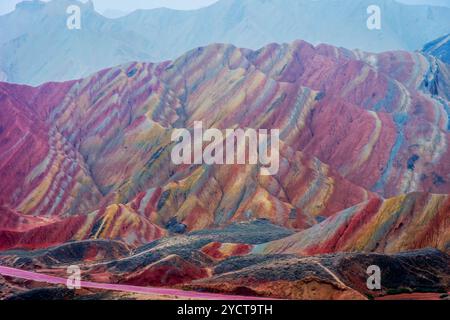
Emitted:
pixel 440 48
pixel 443 3
pixel 39 48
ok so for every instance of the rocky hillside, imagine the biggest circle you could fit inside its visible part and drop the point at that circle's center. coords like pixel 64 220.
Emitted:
pixel 354 128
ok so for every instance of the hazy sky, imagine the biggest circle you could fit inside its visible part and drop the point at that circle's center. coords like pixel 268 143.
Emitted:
pixel 130 5
pixel 433 2
pixel 126 5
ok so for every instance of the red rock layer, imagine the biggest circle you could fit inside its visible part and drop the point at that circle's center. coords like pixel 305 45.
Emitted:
pixel 395 225
pixel 117 222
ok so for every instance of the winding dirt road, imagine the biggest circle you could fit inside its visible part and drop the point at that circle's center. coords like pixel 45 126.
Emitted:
pixel 38 277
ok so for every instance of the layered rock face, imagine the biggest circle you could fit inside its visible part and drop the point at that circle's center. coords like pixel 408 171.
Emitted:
pixel 354 127
pixel 390 226
pixel 364 160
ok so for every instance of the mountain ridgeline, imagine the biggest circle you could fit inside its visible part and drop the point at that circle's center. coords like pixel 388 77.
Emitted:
pixel 38 46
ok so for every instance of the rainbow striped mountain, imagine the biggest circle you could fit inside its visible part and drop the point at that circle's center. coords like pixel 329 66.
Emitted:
pixel 86 176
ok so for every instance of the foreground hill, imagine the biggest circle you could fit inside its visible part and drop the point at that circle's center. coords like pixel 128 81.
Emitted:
pixel 39 48
pixel 182 262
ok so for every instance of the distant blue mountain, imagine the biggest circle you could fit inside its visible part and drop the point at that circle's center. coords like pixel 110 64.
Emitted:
pixel 38 47
pixel 440 48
